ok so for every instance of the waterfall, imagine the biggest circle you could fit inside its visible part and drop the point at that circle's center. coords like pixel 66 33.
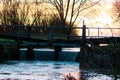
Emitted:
pixel 44 54
pixel 23 53
pixel 67 54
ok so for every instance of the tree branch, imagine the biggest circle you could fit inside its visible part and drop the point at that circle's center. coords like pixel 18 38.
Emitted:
pixel 68 4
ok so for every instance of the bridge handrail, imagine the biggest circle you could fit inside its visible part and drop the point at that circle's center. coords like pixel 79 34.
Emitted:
pixel 101 28
pixel 51 32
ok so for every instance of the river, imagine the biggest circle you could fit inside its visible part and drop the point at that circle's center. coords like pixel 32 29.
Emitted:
pixel 43 70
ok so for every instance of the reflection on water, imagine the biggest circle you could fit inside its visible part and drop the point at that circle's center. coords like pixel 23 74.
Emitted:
pixel 42 70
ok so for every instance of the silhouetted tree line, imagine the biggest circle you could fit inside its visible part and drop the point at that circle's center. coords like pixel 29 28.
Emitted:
pixel 17 12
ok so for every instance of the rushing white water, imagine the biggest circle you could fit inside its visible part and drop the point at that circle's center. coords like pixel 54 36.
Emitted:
pixel 63 49
pixel 36 70
pixel 42 70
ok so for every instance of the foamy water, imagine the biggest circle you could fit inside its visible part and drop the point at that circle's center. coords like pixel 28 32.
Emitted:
pixel 47 49
pixel 42 70
pixel 36 70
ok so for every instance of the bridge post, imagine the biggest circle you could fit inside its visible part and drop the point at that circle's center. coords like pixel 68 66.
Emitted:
pixel 98 32
pixel 18 50
pixel 30 53
pixel 83 51
pixel 28 32
pixel 1 53
pixel 57 50
pixel 83 41
pixel 51 32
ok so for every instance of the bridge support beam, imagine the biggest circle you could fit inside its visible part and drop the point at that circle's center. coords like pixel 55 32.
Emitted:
pixel 83 56
pixel 17 51
pixel 1 53
pixel 83 51
pixel 28 32
pixel 57 50
pixel 30 53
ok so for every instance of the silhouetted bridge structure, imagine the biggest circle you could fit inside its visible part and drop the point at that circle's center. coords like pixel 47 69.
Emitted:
pixel 59 36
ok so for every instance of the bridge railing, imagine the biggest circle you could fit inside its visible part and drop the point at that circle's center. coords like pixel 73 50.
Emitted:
pixel 103 32
pixel 40 32
pixel 56 32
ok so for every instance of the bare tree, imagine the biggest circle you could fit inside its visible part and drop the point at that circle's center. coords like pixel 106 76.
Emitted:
pixel 70 10
pixel 116 7
pixel 37 15
pixel 24 10
pixel 9 13
pixel 14 12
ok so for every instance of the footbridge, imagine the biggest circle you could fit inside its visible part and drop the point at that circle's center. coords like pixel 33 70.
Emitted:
pixel 57 36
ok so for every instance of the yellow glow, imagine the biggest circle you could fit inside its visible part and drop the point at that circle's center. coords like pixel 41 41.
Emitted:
pixel 101 15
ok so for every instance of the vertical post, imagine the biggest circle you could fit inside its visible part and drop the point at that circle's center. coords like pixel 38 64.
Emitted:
pixel 98 32
pixel 51 33
pixel 18 51
pixel 1 53
pixel 18 43
pixel 83 51
pixel 28 32
pixel 18 30
pixel 57 50
pixel 83 41
pixel 83 44
pixel 30 53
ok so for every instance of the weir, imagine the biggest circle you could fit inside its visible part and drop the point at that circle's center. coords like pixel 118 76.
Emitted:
pixel 66 54
pixel 26 38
